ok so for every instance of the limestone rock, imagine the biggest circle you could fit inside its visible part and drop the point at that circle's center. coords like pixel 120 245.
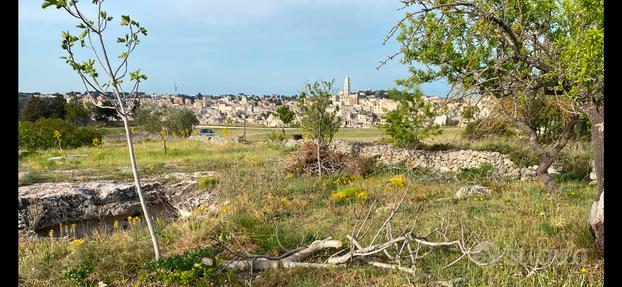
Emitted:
pixel 44 205
pixel 472 190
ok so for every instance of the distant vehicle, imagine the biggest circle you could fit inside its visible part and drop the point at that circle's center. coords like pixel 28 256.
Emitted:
pixel 207 132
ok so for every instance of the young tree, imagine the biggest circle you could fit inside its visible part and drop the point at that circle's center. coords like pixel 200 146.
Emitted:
pixel 412 121
pixel 317 120
pixel 514 49
pixel 166 122
pixel 285 114
pixel 92 37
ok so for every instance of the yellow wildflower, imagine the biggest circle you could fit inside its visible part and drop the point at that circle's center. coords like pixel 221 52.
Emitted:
pixel 362 195
pixel 583 270
pixel 57 134
pixel 340 195
pixel 397 181
pixel 76 242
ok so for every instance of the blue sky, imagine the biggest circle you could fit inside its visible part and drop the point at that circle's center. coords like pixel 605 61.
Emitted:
pixel 234 46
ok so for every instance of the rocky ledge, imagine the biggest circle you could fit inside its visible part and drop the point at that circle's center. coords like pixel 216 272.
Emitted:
pixel 48 204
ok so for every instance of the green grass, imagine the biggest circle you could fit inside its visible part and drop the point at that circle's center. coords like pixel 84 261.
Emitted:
pixel 261 134
pixel 262 199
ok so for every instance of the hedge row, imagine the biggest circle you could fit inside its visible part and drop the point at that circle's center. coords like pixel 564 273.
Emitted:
pixel 40 134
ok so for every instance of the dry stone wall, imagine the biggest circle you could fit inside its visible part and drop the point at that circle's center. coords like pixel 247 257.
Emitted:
pixel 442 161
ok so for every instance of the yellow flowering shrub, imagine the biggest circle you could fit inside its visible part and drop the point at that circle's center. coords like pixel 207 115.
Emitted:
pixel 76 243
pixel 397 181
pixel 349 194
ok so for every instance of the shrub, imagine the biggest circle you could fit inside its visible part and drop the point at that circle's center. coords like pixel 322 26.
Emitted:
pixel 412 121
pixel 576 158
pixel 483 171
pixel 397 181
pixel 182 269
pixel 206 182
pixel 481 128
pixel 359 165
pixel 349 194
pixel 275 138
pixel 40 134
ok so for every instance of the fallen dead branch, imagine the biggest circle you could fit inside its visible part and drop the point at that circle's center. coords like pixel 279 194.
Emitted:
pixel 398 251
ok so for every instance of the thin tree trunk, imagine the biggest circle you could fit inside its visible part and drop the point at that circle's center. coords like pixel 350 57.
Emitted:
pixel 597 118
pixel 319 162
pixel 547 156
pixel 544 176
pixel 596 218
pixel 154 239
pixel 164 143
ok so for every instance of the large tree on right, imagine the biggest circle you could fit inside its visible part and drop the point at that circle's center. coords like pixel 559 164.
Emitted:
pixel 515 51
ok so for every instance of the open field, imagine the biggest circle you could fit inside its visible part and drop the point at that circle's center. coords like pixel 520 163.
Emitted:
pixel 261 134
pixel 257 198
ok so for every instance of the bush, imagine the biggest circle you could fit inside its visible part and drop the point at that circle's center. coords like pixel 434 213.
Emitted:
pixel 206 182
pixel 397 181
pixel 577 159
pixel 40 134
pixel 481 128
pixel 182 269
pixel 483 171
pixel 349 194
pixel 359 165
pixel 275 138
pixel 410 123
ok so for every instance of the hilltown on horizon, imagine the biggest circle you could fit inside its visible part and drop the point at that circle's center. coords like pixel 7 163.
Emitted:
pixel 362 109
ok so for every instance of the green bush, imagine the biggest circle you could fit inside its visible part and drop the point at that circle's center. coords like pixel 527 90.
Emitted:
pixel 481 128
pixel 349 194
pixel 206 182
pixel 182 269
pixel 481 172
pixel 275 138
pixel 40 134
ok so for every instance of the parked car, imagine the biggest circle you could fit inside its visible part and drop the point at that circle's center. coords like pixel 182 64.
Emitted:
pixel 207 132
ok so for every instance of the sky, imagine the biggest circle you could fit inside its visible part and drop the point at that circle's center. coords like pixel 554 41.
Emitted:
pixel 233 46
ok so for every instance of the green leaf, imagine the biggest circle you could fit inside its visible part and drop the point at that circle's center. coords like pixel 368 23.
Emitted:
pixel 125 20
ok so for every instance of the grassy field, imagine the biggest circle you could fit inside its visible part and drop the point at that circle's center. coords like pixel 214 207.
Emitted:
pixel 261 134
pixel 259 201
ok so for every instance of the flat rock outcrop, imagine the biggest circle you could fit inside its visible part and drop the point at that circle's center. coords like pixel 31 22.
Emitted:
pixel 48 204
